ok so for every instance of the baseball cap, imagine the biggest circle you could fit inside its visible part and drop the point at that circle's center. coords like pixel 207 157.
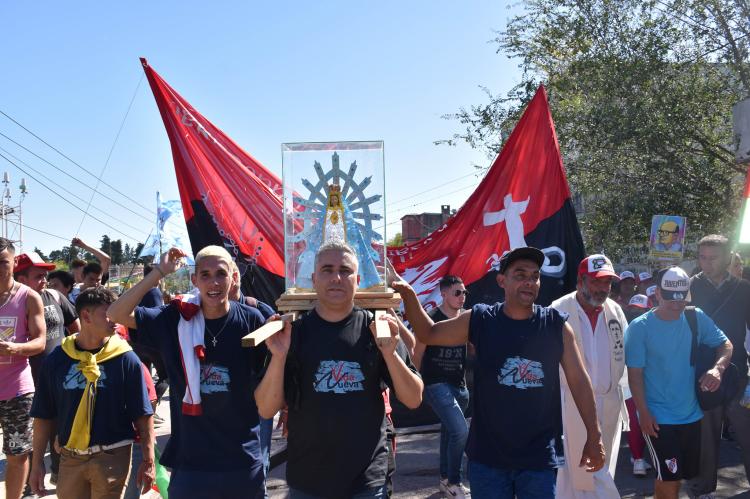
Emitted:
pixel 644 276
pixel 627 275
pixel 640 301
pixel 651 290
pixel 523 253
pixel 597 266
pixel 674 284
pixel 32 259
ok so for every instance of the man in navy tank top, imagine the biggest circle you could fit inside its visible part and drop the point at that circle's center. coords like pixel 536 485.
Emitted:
pixel 514 444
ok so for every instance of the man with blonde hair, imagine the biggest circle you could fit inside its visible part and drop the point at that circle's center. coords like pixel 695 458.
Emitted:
pixel 214 448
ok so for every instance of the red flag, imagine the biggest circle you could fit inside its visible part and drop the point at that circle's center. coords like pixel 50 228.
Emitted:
pixel 228 197
pixel 524 200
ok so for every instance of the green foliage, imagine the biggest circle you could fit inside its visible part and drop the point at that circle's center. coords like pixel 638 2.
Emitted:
pixel 396 240
pixel 641 93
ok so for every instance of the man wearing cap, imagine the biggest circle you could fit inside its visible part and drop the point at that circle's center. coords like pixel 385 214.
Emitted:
pixel 515 444
pixel 30 269
pixel 598 323
pixel 645 281
pixel 627 288
pixel 726 299
pixel 637 306
pixel 662 380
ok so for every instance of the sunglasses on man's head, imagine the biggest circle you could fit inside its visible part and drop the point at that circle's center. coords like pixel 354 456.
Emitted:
pixel 460 292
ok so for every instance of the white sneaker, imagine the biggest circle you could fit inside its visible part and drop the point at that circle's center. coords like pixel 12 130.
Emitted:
pixel 639 467
pixel 443 487
pixel 457 491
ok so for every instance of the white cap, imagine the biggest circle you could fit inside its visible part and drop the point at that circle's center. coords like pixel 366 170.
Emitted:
pixel 640 301
pixel 651 290
pixel 627 275
pixel 644 276
pixel 674 284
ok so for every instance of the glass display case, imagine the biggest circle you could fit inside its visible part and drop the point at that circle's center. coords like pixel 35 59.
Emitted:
pixel 334 191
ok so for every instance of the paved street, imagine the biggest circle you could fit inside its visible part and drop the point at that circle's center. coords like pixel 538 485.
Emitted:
pixel 417 467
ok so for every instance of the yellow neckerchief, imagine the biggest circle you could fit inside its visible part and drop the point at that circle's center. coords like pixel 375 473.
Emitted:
pixel 88 364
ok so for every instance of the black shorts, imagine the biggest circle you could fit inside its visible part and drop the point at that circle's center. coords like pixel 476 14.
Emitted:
pixel 676 452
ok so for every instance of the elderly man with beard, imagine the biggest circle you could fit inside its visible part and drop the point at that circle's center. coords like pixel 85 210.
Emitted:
pixel 598 324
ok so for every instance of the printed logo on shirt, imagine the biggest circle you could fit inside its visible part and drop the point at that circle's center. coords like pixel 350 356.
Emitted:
pixel 7 333
pixel 521 373
pixel 75 380
pixel 52 320
pixel 671 465
pixel 214 379
pixel 615 328
pixel 338 376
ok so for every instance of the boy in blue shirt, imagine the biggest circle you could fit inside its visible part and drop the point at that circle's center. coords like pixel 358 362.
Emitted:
pixel 92 368
pixel 657 353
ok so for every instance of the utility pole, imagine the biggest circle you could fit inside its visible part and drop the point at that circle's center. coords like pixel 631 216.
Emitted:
pixel 11 213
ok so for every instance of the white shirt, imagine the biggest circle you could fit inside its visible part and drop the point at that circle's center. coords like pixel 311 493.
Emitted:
pixel 596 351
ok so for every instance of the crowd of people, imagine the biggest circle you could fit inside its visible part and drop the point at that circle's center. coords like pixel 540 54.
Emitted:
pixel 662 355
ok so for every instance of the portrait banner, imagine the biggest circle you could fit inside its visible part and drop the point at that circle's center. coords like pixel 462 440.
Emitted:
pixel 667 241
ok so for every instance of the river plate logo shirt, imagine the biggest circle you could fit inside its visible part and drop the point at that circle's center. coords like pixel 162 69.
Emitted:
pixel 338 376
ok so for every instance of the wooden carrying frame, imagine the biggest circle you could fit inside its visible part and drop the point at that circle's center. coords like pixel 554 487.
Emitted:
pixel 290 304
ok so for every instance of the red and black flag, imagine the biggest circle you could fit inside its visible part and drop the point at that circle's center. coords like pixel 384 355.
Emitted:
pixel 227 196
pixel 524 200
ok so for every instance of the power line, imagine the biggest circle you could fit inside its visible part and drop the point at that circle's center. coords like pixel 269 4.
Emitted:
pixel 67 200
pixel 433 198
pixel 109 155
pixel 39 230
pixel 74 162
pixel 65 190
pixel 72 177
pixel 433 188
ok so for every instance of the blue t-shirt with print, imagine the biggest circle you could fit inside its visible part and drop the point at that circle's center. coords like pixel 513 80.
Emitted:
pixel 662 349
pixel 225 436
pixel 517 421
pixel 121 396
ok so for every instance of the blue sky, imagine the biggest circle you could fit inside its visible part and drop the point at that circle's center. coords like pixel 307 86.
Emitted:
pixel 265 73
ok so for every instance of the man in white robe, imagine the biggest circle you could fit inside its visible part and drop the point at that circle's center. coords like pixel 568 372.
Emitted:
pixel 598 323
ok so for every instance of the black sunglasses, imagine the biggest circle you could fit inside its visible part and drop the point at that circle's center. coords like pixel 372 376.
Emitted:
pixel 460 292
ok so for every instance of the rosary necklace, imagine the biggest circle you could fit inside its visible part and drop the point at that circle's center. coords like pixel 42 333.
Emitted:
pixel 214 337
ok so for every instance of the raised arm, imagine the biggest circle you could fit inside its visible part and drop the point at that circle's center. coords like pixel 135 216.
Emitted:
pixel 583 395
pixel 269 395
pixel 104 259
pixel 122 310
pixel 406 383
pixel 447 333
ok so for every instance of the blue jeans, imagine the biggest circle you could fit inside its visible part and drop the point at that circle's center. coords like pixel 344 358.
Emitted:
pixel 378 493
pixel 266 431
pixel 449 403
pixel 488 482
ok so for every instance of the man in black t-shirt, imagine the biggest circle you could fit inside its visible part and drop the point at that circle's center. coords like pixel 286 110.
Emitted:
pixel 514 444
pixel 726 300
pixel 330 372
pixel 443 370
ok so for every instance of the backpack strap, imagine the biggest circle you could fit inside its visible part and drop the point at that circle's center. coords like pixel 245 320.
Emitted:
pixel 692 319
